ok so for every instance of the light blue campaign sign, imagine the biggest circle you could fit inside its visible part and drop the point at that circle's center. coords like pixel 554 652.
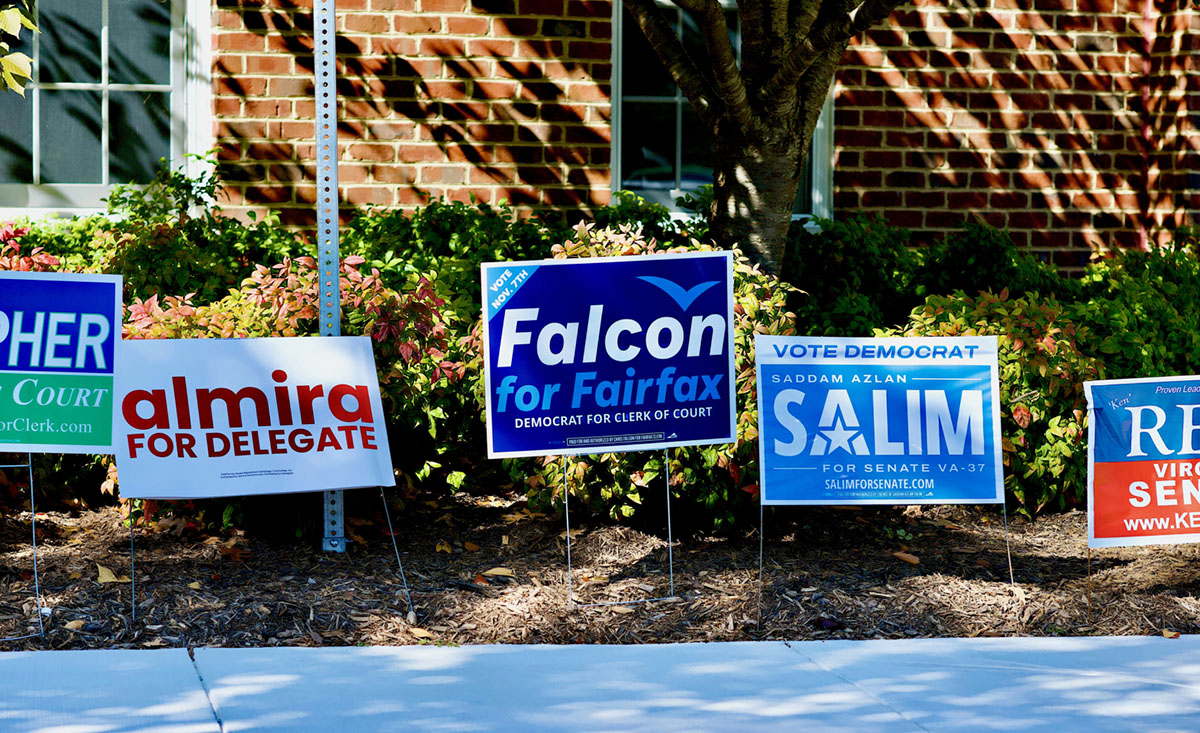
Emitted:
pixel 878 420
pixel 609 354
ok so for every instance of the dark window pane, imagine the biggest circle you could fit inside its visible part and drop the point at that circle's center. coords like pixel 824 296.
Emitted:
pixel 697 152
pixel 139 41
pixel 804 202
pixel 69 41
pixel 70 137
pixel 139 129
pixel 16 138
pixel 648 147
pixel 642 74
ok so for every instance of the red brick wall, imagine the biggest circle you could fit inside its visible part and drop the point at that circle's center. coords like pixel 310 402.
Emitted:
pixel 1175 165
pixel 1056 119
pixel 496 99
pixel 1053 118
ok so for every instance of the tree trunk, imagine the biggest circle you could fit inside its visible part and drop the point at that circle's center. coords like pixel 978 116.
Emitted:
pixel 762 113
pixel 754 192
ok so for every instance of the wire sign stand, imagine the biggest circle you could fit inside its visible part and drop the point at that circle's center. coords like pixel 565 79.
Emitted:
pixel 37 589
pixel 670 544
pixel 1012 579
pixel 324 50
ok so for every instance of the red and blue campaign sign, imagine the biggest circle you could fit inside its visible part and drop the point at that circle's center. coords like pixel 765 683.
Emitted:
pixel 1143 461
pixel 608 354
pixel 878 420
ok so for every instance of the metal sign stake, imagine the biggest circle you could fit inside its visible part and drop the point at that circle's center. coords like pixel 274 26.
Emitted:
pixel 325 55
pixel 37 588
pixel 670 543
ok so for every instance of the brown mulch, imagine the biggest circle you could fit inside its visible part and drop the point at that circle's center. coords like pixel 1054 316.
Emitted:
pixel 489 571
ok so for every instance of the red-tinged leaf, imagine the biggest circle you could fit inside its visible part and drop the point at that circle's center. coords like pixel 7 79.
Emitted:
pixel 353 260
pixel 480 580
pixel 751 489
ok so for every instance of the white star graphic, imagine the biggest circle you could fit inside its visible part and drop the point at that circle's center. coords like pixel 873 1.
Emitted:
pixel 839 436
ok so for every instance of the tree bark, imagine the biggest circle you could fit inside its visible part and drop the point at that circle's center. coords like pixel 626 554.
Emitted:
pixel 754 191
pixel 758 167
pixel 762 113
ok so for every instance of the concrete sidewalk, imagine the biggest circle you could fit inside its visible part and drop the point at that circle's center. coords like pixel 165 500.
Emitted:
pixel 1092 684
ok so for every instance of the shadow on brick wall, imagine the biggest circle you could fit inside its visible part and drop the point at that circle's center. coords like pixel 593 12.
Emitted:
pixel 1067 127
pixel 420 117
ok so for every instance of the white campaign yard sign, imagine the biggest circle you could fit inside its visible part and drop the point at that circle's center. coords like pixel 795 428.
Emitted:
pixel 230 417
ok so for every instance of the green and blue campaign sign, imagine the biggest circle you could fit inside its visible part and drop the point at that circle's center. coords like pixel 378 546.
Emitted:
pixel 607 355
pixel 878 420
pixel 58 335
pixel 1143 461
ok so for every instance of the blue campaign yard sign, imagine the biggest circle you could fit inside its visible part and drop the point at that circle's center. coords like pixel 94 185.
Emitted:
pixel 58 336
pixel 609 354
pixel 878 420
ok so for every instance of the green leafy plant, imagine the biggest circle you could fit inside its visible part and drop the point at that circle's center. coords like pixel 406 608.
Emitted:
pixel 980 257
pixel 1143 311
pixel 1042 371
pixel 168 237
pixel 853 276
pixel 448 239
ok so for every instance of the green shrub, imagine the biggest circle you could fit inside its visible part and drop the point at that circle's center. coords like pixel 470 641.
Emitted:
pixel 68 239
pixel 980 258
pixel 854 276
pixel 1042 403
pixel 699 208
pixel 629 209
pixel 168 237
pixel 655 220
pixel 449 239
pixel 1143 309
pixel 411 281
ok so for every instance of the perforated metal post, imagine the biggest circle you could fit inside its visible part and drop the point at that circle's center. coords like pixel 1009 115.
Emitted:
pixel 325 56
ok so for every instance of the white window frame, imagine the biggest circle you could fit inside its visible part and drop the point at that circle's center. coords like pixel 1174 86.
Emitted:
pixel 191 115
pixel 821 153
